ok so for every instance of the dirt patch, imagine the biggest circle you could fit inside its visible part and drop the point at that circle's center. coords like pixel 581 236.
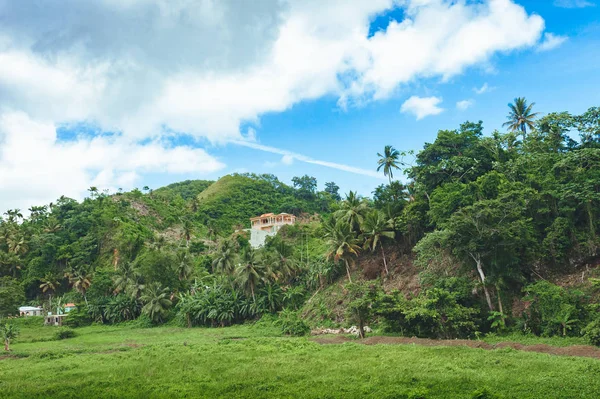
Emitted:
pixel 575 350
pixel 3 357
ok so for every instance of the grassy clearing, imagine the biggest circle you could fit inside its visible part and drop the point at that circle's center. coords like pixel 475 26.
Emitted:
pixel 252 361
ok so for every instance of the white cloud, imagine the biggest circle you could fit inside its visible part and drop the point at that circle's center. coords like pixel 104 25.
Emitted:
pixel 573 3
pixel 464 104
pixel 36 168
pixel 205 68
pixel 422 106
pixel 550 42
pixel 483 89
pixel 287 159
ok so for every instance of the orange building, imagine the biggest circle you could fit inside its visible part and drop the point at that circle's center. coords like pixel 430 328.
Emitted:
pixel 271 222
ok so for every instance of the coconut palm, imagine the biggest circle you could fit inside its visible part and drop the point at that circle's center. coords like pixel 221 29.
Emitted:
pixel 157 302
pixel 184 265
pixel 375 228
pixel 342 242
pixel 8 332
pixel 225 258
pixel 126 276
pixel 352 210
pixel 250 272
pixel 388 161
pixel 49 285
pixel 520 116
pixel 80 280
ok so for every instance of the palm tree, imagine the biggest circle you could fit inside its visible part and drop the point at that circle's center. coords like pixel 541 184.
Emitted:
pixel 49 285
pixel 225 258
pixel 184 266
pixel 250 272
pixel 342 243
pixel 520 116
pixel 8 332
pixel 388 161
pixel 81 281
pixel 187 230
pixel 157 302
pixel 126 276
pixel 376 227
pixel 352 210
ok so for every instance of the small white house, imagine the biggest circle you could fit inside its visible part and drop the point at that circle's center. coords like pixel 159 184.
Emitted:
pixel 27 311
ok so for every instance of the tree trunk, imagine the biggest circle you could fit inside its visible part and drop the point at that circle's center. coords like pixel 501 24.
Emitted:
pixel 387 272
pixel 348 271
pixel 189 321
pixel 6 342
pixel 361 328
pixel 488 298
pixel 500 308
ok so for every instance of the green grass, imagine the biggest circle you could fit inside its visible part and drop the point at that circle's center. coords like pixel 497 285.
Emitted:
pixel 254 362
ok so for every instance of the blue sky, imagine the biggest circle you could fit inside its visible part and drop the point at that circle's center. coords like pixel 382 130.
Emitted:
pixel 563 79
pixel 186 115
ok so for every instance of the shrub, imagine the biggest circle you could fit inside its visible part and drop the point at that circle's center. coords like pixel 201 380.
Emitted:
pixel 291 323
pixel 64 333
pixel 78 317
pixel 591 332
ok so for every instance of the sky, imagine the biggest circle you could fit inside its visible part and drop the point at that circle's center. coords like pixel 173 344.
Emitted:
pixel 133 93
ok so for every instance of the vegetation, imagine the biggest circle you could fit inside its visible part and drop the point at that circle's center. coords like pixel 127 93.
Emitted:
pixel 256 361
pixel 501 230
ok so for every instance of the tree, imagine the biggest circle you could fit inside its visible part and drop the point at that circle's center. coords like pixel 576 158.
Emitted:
pixel 333 189
pixel 375 228
pixel 224 261
pixel 388 161
pixel 8 332
pixel 250 272
pixel 520 116
pixel 352 210
pixel 306 186
pixel 80 280
pixel 49 285
pixel 12 295
pixel 157 302
pixel 184 266
pixel 342 243
pixel 361 297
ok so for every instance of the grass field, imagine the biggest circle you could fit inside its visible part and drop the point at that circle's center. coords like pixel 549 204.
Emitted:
pixel 255 362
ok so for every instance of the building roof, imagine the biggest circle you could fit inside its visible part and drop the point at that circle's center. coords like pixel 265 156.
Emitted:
pixel 70 305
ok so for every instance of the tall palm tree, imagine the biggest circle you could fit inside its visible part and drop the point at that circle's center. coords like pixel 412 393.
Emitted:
pixel 388 161
pixel 184 266
pixel 250 272
pixel 157 302
pixel 81 281
pixel 520 116
pixel 375 228
pixel 352 210
pixel 125 277
pixel 224 260
pixel 49 285
pixel 342 242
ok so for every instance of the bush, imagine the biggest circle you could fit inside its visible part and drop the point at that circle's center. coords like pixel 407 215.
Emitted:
pixel 78 317
pixel 64 333
pixel 292 324
pixel 591 333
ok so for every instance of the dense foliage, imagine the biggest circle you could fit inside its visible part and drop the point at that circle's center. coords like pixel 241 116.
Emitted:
pixel 489 220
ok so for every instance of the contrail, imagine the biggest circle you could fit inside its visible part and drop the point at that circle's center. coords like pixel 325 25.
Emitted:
pixel 304 158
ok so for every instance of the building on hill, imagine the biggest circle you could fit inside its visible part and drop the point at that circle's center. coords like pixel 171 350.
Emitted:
pixel 267 225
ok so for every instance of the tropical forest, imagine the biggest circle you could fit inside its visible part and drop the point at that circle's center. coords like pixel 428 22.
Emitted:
pixel 473 271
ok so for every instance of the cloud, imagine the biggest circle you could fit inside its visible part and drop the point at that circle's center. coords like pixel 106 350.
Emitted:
pixel 483 89
pixel 289 155
pixel 550 42
pixel 422 106
pixel 35 167
pixel 146 69
pixel 287 159
pixel 573 3
pixel 464 104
